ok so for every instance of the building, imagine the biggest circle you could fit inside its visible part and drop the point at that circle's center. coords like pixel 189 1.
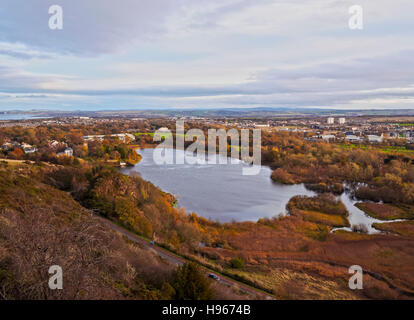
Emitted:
pixel 328 137
pixel 57 144
pixel 353 138
pixel 68 152
pixel 121 136
pixel 331 120
pixel 341 120
pixel 27 148
pixel 374 138
pixel 94 138
pixel 6 146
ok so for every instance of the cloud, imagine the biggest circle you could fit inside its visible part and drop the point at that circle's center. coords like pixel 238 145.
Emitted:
pixel 21 51
pixel 373 80
pixel 202 53
pixel 90 27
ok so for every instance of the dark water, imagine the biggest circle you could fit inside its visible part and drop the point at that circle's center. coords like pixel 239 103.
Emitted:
pixel 219 192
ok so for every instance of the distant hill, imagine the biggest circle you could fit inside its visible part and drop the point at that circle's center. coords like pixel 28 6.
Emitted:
pixel 214 112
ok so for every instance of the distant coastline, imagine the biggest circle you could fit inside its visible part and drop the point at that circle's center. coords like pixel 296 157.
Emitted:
pixel 19 116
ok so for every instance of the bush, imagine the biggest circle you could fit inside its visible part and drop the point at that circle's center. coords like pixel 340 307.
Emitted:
pixel 237 263
pixel 281 176
pixel 360 228
pixel 190 283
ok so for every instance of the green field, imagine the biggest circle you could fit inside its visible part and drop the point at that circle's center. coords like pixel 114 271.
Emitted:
pixel 143 134
pixel 405 124
pixel 385 149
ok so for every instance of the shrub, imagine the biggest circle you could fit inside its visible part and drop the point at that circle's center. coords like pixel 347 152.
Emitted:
pixel 237 263
pixel 190 283
pixel 360 228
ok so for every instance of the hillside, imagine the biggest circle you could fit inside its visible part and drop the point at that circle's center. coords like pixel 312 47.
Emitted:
pixel 41 226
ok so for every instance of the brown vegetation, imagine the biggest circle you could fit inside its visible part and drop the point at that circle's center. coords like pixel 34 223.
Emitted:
pixel 41 226
pixel 404 228
pixel 387 211
pixel 324 209
pixel 325 167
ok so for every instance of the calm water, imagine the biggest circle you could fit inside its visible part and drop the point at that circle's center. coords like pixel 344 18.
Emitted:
pixel 219 192
pixel 223 193
pixel 18 116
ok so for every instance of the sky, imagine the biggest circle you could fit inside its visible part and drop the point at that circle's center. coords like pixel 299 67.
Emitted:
pixel 145 54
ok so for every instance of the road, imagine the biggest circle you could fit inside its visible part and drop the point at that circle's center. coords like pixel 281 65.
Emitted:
pixel 174 259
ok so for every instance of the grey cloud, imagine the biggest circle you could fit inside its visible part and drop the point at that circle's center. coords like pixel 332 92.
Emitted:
pixel 13 80
pixel 90 26
pixel 391 71
pixel 326 84
pixel 24 55
pixel 93 27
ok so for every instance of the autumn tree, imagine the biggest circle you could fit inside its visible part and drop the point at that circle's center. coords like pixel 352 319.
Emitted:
pixel 190 283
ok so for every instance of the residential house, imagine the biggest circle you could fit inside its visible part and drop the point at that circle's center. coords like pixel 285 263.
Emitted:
pixel 68 152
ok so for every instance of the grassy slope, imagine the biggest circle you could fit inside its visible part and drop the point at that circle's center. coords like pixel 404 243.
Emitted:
pixel 404 228
pixel 41 226
pixel 387 211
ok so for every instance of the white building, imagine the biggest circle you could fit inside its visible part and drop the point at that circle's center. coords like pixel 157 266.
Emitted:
pixel 352 138
pixel 121 136
pixel 27 148
pixel 94 138
pixel 341 120
pixel 373 138
pixel 328 137
pixel 68 152
pixel 331 120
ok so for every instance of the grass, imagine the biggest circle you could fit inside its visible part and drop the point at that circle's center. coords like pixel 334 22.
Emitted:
pixel 386 211
pixel 290 284
pixel 350 236
pixel 13 162
pixel 324 218
pixel 383 149
pixel 404 124
pixel 314 231
pixel 223 273
pixel 390 149
pixel 403 228
pixel 163 134
pixel 144 133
